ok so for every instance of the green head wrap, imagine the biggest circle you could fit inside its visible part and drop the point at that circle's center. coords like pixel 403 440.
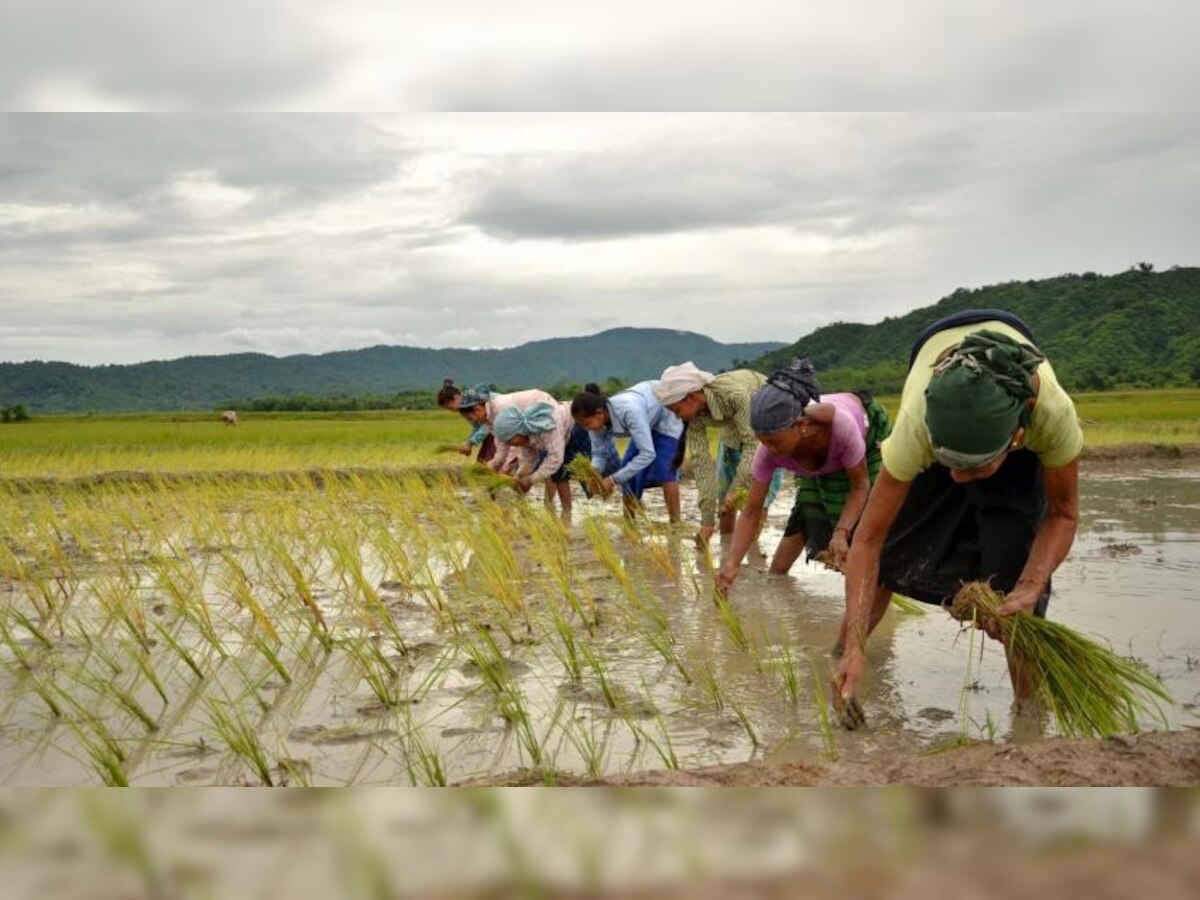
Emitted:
pixel 978 397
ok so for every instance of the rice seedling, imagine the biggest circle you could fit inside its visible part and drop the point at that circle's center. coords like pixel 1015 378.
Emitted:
pixel 664 749
pixel 706 680
pixel 104 753
pixel 375 669
pixel 485 479
pixel 1090 689
pixel 581 469
pixel 240 736
pixel 782 663
pixel 739 712
pixel 592 750
pixel 422 759
pixel 821 704
pixel 907 605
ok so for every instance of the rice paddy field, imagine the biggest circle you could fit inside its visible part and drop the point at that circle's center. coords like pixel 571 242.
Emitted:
pixel 329 600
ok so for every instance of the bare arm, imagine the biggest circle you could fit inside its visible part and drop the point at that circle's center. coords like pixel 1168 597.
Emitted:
pixel 862 572
pixel 1053 540
pixel 743 533
pixel 860 487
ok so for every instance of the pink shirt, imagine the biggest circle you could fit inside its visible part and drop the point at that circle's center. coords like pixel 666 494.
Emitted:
pixel 519 399
pixel 553 443
pixel 847 442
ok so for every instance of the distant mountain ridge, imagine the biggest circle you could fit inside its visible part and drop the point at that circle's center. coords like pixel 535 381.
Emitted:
pixel 201 382
pixel 1138 328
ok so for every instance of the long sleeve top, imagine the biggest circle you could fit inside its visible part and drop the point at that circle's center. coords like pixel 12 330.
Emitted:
pixel 728 397
pixel 634 413
pixel 552 442
pixel 519 399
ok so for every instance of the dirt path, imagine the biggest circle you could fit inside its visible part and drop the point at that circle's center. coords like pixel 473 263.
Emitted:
pixel 1158 759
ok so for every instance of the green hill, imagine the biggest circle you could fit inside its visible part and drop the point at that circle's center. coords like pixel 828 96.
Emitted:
pixel 1136 329
pixel 202 382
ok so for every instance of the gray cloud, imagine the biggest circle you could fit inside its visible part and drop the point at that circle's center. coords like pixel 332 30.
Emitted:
pixel 144 236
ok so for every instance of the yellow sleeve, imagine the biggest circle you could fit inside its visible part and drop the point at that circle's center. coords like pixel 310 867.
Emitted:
pixel 1054 432
pixel 906 451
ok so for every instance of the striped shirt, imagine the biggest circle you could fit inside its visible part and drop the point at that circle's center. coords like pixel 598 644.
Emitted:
pixel 728 397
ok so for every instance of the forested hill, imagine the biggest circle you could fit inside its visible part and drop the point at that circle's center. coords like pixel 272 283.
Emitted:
pixel 1139 328
pixel 201 382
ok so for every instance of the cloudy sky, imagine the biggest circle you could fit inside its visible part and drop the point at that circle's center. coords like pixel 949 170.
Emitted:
pixel 149 235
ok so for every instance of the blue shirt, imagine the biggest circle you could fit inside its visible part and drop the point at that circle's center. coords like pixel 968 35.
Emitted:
pixel 634 413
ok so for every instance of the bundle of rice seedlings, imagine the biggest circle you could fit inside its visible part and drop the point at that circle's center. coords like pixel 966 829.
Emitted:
pixel 737 499
pixel 489 479
pixel 581 469
pixel 448 448
pixel 1090 689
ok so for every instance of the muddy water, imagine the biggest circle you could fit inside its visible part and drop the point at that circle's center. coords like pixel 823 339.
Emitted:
pixel 1130 581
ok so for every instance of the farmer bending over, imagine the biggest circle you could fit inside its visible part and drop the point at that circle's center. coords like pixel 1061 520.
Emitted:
pixel 980 481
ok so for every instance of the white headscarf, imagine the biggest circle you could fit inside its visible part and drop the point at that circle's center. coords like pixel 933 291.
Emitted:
pixel 679 381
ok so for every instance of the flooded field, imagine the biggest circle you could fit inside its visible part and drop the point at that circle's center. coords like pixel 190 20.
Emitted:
pixel 381 630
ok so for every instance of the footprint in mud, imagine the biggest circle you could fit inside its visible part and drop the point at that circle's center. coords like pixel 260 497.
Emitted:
pixel 472 732
pixel 195 751
pixel 1120 551
pixel 515 667
pixel 321 735
pixel 935 714
pixel 193 776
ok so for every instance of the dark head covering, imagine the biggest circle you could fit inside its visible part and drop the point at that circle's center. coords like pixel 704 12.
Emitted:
pixel 481 393
pixel 978 397
pixel 781 401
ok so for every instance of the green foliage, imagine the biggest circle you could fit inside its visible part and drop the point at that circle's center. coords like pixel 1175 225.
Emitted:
pixel 1137 329
pixel 14 413
pixel 357 379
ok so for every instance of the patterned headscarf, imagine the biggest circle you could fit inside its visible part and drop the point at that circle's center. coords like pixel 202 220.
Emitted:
pixel 978 398
pixel 481 393
pixel 511 421
pixel 781 401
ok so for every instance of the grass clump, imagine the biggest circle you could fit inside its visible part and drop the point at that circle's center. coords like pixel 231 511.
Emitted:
pixel 1090 689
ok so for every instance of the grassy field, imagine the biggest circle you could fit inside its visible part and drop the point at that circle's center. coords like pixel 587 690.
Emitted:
pixel 77 446
pixel 386 626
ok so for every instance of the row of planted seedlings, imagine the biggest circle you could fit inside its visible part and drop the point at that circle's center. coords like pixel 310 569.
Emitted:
pixel 366 629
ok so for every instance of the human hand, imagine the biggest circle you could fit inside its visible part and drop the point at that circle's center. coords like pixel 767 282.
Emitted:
pixel 524 482
pixel 464 448
pixel 1022 598
pixel 839 548
pixel 607 486
pixel 849 672
pixel 704 535
pixel 725 577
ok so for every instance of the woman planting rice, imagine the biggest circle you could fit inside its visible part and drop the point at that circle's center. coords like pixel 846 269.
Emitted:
pixel 980 481
pixel 480 406
pixel 652 457
pixel 703 400
pixel 546 439
pixel 832 443
pixel 480 436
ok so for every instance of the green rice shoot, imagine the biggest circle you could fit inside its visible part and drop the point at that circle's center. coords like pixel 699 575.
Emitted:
pixel 1090 689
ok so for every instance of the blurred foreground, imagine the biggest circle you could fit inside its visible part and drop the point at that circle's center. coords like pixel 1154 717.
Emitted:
pixel 571 843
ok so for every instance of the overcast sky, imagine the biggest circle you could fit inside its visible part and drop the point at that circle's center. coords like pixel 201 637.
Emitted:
pixel 148 236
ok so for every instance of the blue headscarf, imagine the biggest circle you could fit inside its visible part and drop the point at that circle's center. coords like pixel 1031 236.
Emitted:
pixel 474 396
pixel 512 421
